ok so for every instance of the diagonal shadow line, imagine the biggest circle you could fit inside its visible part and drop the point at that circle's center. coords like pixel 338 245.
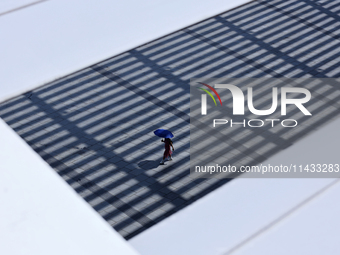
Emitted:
pixel 191 46
pixel 195 62
pixel 280 219
pixel 309 11
pixel 142 93
pixel 99 74
pixel 185 188
pixel 111 185
pixel 275 33
pixel 287 27
pixel 256 12
pixel 114 200
pixel 152 53
pixel 331 4
pixel 193 59
pixel 163 104
pixel 251 23
pixel 22 7
pixel 320 8
pixel 288 142
pixel 313 48
pixel 59 83
pixel 127 210
pixel 155 187
pixel 121 110
pixel 124 179
pixel 103 164
pixel 132 85
pixel 162 50
pixel 54 141
pixel 279 54
pixel 237 145
pixel 158 219
pixel 254 40
pixel 177 35
pixel 302 20
pixel 250 61
pixel 124 223
pixel 235 54
pixel 81 82
pixel 82 97
pixel 316 35
pixel 166 197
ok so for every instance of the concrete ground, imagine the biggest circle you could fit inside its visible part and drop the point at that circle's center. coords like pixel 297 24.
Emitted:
pixel 95 127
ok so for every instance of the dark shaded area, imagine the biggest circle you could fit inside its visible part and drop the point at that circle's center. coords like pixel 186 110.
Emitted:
pixel 148 164
pixel 94 127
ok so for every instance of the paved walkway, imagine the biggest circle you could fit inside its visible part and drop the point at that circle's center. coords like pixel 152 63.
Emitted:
pixel 95 127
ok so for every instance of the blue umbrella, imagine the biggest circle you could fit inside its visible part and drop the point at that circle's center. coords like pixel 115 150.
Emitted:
pixel 163 133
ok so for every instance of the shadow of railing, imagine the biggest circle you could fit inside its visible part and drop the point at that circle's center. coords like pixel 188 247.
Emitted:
pixel 95 127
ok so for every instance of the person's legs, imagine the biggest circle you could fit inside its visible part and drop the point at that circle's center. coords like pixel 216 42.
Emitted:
pixel 170 155
pixel 164 156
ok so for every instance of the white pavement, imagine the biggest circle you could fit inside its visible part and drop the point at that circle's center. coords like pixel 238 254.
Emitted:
pixel 41 214
pixel 260 216
pixel 54 38
pixel 41 45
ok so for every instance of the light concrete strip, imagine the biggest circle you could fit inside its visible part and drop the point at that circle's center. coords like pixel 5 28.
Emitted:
pixel 312 230
pixel 238 213
pixel 41 214
pixel 7 6
pixel 56 38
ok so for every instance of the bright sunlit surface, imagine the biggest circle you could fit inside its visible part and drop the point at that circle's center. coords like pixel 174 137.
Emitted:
pixel 7 6
pixel 41 214
pixel 53 38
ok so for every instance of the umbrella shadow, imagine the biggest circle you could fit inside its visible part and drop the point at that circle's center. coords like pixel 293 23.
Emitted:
pixel 148 164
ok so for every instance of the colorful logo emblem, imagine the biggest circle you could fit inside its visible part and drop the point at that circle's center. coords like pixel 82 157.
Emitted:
pixel 211 95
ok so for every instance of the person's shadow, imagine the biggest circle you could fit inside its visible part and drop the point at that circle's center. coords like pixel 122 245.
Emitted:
pixel 148 164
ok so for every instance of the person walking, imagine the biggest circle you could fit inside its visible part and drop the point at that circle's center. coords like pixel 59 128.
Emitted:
pixel 167 153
